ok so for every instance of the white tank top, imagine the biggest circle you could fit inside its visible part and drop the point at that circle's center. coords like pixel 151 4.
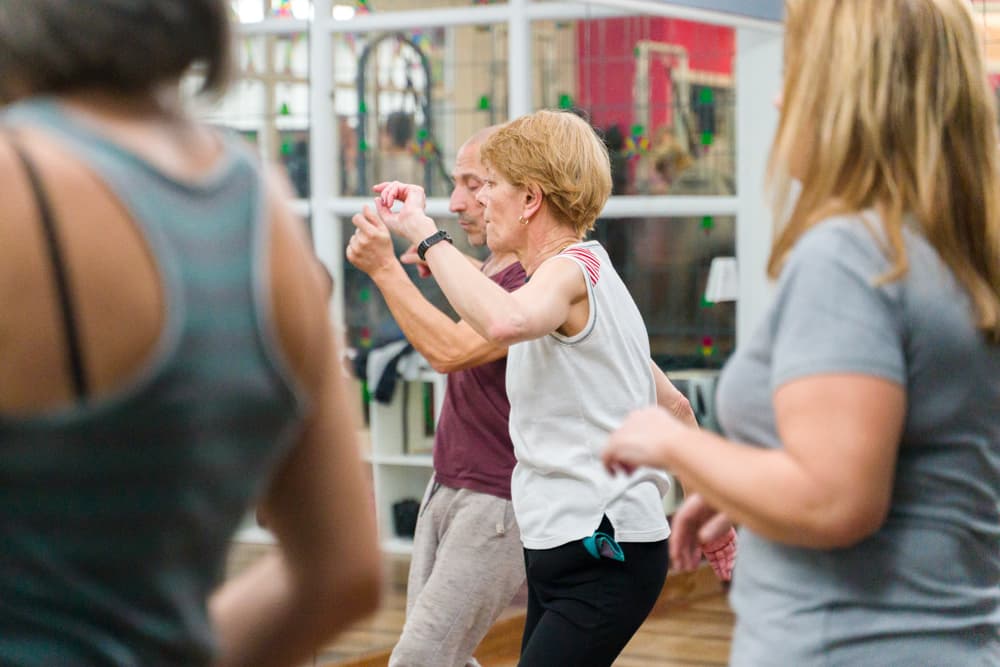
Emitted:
pixel 566 396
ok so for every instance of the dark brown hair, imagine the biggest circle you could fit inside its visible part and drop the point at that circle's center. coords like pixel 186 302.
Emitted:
pixel 129 46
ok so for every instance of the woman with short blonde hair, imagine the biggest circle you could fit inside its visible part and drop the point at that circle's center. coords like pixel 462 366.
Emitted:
pixel 863 450
pixel 595 545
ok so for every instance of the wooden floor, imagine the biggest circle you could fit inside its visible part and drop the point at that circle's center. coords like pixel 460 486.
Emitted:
pixel 690 626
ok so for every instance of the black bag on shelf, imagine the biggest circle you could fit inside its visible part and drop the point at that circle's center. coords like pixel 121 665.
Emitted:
pixel 404 517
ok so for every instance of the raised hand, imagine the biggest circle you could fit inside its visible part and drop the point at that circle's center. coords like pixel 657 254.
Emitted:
pixel 410 221
pixel 370 247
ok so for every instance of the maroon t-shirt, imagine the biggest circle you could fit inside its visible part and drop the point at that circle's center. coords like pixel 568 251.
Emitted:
pixel 472 447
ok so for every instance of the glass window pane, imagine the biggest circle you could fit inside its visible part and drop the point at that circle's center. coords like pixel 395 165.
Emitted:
pixel 664 262
pixel 406 101
pixel 269 101
pixel 660 89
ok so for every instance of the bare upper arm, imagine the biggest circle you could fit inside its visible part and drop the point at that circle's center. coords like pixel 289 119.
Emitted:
pixel 299 288
pixel 555 299
pixel 314 496
pixel 844 430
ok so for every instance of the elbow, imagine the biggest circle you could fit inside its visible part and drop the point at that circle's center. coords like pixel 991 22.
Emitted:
pixel 505 331
pixel 357 586
pixel 443 366
pixel 849 523
pixel 683 410
pixel 444 363
pixel 366 591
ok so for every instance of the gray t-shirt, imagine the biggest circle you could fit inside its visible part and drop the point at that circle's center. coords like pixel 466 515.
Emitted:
pixel 925 588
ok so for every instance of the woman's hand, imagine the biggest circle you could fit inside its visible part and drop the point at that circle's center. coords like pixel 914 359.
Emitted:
pixel 694 524
pixel 410 221
pixel 642 440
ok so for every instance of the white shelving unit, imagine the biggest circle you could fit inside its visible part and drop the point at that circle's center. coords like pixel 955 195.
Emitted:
pixel 402 437
pixel 402 466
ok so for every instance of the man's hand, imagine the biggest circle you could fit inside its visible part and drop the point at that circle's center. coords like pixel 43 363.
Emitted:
pixel 370 247
pixel 411 257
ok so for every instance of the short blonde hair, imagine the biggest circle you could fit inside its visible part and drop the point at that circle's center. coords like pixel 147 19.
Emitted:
pixel 562 155
pixel 890 101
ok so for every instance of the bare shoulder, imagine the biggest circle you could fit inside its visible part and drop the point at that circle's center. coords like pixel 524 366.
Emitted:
pixel 562 273
pixel 17 252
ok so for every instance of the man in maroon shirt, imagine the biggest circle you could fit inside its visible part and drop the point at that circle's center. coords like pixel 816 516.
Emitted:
pixel 467 560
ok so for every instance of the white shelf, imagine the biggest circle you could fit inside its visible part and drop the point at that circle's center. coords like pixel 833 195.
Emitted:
pixel 414 460
pixel 397 545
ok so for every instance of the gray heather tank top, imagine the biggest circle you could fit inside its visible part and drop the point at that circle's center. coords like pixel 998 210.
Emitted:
pixel 116 513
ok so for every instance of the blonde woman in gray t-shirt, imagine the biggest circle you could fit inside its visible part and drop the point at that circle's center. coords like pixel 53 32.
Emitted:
pixel 870 392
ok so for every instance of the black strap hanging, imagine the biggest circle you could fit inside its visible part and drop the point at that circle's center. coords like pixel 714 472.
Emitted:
pixel 73 351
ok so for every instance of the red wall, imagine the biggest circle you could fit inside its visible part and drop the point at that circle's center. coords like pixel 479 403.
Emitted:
pixel 606 64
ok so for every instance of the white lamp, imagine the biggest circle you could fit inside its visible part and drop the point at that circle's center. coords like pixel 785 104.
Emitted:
pixel 723 280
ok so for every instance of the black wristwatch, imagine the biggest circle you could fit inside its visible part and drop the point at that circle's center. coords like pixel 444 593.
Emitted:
pixel 436 237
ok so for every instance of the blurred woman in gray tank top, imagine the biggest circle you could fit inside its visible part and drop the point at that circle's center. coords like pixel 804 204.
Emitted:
pixel 166 361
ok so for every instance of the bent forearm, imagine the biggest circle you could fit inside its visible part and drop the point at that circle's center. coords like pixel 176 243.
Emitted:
pixel 446 345
pixel 669 398
pixel 764 489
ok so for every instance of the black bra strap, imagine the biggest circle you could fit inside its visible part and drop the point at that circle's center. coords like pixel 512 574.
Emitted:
pixel 74 353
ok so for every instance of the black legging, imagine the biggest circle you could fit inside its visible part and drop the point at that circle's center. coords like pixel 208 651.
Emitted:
pixel 582 611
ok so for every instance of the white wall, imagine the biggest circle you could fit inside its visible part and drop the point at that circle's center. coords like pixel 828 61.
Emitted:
pixel 758 81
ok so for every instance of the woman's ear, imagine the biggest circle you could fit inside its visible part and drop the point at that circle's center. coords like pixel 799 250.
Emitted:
pixel 532 200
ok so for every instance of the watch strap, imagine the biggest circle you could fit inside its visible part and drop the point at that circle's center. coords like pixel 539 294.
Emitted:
pixel 436 237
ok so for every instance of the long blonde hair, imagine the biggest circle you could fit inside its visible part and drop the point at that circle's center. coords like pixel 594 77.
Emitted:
pixel 887 105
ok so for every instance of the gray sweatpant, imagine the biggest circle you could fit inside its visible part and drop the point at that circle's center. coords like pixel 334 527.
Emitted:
pixel 466 566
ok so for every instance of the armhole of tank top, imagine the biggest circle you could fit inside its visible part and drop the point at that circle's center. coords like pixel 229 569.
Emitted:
pixel 592 300
pixel 264 313
pixel 166 269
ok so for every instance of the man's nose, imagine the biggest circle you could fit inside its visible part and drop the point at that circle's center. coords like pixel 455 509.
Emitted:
pixel 456 203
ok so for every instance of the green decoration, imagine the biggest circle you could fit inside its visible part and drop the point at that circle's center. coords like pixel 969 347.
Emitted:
pixel 705 303
pixel 286 147
pixel 421 134
pixel 706 96
pixel 638 130
pixel 362 145
pixel 708 223
pixel 707 138
pixel 565 101
pixel 484 103
pixel 284 111
pixel 362 107
pixel 364 295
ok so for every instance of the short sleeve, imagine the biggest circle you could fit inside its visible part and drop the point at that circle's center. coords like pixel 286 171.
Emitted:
pixel 831 313
pixel 512 277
